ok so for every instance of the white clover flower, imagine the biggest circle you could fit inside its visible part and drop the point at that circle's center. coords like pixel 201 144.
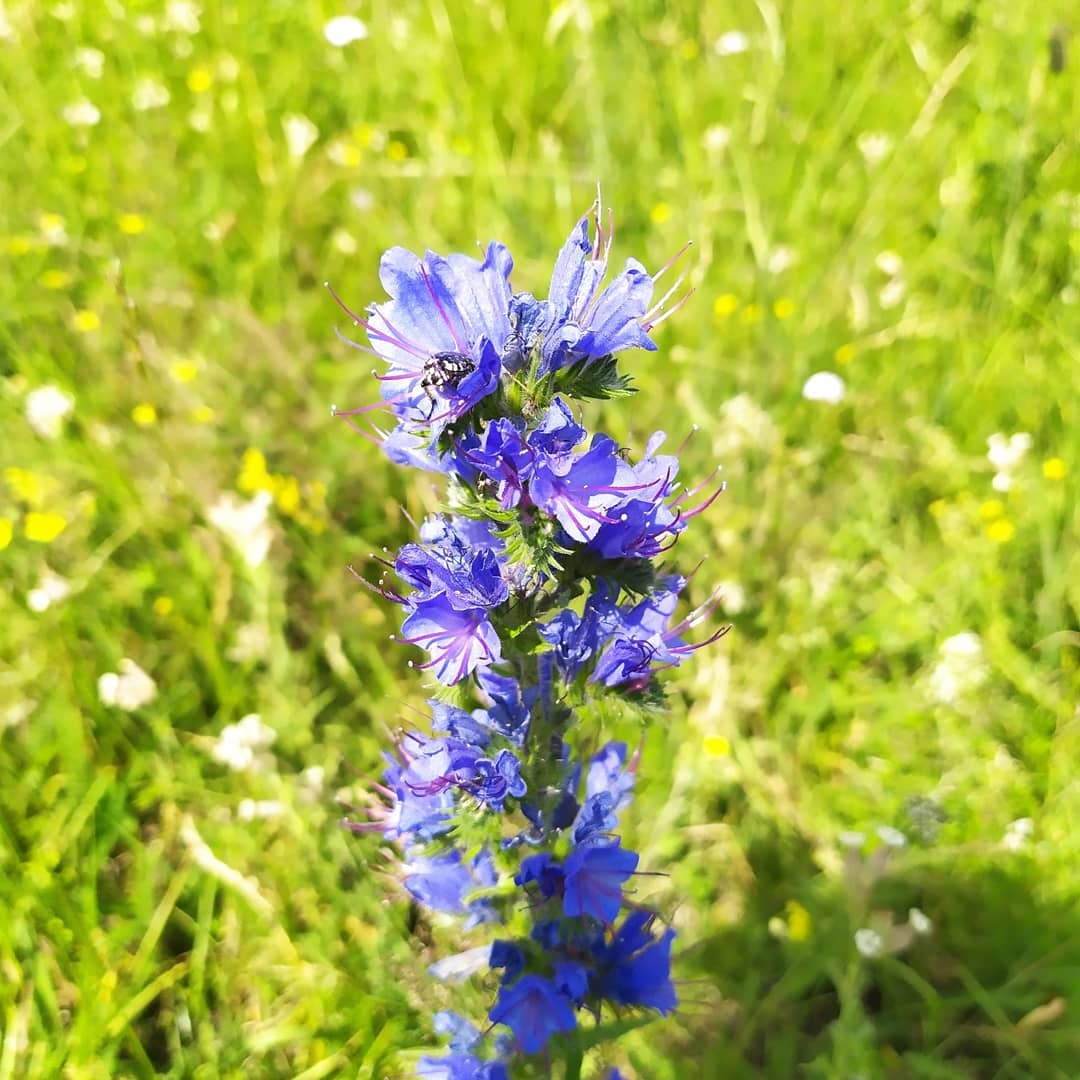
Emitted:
pixel 81 113
pixel 889 263
pixel 129 689
pixel 731 43
pixel 343 30
pixel 874 146
pixel 732 597
pixel 920 922
pixel 716 139
pixel 892 293
pixel 869 942
pixel 313 779
pixel 245 524
pixel 89 61
pixel 825 386
pixel 1005 452
pixel 46 409
pixel 300 134
pixel 149 94
pixel 182 17
pixel 781 258
pixel 362 199
pixel 891 837
pixel 244 746
pixel 50 589
pixel 344 242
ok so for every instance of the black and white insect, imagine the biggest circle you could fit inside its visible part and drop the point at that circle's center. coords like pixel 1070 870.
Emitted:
pixel 444 370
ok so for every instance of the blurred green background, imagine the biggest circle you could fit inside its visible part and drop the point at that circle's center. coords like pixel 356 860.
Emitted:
pixel 886 191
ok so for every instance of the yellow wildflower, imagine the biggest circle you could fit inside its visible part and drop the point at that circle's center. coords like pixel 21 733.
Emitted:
pixel 144 414
pixel 716 746
pixel 724 305
pixel 938 507
pixel 7 531
pixel 202 414
pixel 363 135
pixel 845 354
pixel 43 526
pixel 1001 531
pixel 55 279
pixel 798 920
pixel 253 475
pixel 660 213
pixel 992 508
pixel 184 370
pixel 1054 469
pixel 396 150
pixel 30 488
pixel 131 224
pixel 784 308
pixel 50 223
pixel 163 606
pixel 19 245
pixel 199 80
pixel 286 494
pixel 87 321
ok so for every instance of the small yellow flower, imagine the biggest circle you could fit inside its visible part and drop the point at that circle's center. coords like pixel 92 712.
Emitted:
pixel 716 746
pixel 724 305
pixel 363 135
pixel 689 50
pixel 30 488
pixel 7 531
pixel 396 150
pixel 752 313
pixel 346 154
pixel 184 370
pixel 202 414
pixel 131 224
pixel 798 920
pixel 1001 531
pixel 86 322
pixel 199 80
pixel 144 414
pixel 845 354
pixel 163 606
pixel 253 475
pixel 286 494
pixel 55 279
pixel 19 245
pixel 660 213
pixel 43 526
pixel 783 308
pixel 50 223
pixel 992 508
pixel 1054 469
pixel 938 507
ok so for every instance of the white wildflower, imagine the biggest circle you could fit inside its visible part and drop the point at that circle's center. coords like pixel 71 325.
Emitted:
pixel 1005 452
pixel 244 746
pixel 344 242
pixel 890 263
pixel 245 524
pixel 891 837
pixel 851 839
pixel 89 61
pixel 129 689
pixel 50 589
pixel 874 146
pixel 182 17
pixel 716 139
pixel 146 25
pixel 13 715
pixel 781 258
pixel 961 668
pixel 824 386
pixel 1017 833
pixel 732 597
pixel 920 922
pixel 869 942
pixel 731 43
pixel 81 113
pixel 7 33
pixel 892 293
pixel 200 121
pixel 149 94
pixel 956 192
pixel 300 134
pixel 252 642
pixel 259 809
pixel 343 30
pixel 46 409
pixel 312 780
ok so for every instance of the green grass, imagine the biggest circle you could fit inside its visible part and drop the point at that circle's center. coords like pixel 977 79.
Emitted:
pixel 863 535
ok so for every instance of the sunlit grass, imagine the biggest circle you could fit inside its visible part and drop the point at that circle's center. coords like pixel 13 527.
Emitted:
pixel 887 196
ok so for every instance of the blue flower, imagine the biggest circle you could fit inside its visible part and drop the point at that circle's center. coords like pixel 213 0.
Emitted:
pixel 545 870
pixel 443 883
pixel 594 879
pixel 635 969
pixel 460 1067
pixel 506 955
pixel 534 1010
pixel 463 1035
pixel 510 707
pixel 459 641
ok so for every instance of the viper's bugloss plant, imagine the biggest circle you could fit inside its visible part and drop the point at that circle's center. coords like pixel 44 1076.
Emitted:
pixel 539 599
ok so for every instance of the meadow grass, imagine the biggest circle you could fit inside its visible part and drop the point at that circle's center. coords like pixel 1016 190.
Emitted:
pixel 887 191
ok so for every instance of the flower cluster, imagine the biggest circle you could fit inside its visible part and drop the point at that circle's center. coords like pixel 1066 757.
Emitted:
pixel 536 594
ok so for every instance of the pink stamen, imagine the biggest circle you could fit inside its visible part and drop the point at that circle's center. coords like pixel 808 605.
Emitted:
pixel 442 312
pixel 671 262
pixel 667 314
